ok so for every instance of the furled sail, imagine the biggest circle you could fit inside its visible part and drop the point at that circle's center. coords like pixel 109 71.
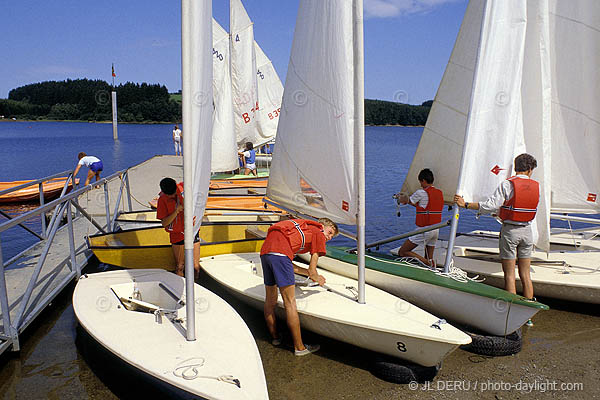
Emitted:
pixel 313 168
pixel 197 71
pixel 224 145
pixel 270 93
pixel 243 75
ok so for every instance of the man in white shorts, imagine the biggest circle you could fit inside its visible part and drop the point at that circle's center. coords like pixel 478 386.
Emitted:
pixel 177 141
pixel 429 202
pixel 93 163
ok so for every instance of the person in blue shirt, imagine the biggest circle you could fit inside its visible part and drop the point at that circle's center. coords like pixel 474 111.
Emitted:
pixel 249 159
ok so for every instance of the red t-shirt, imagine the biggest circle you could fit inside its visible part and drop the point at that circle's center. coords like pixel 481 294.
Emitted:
pixel 166 206
pixel 278 242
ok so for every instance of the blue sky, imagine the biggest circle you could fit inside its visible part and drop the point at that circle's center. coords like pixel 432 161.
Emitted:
pixel 407 42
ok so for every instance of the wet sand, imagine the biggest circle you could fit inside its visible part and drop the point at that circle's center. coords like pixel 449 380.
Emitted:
pixel 560 360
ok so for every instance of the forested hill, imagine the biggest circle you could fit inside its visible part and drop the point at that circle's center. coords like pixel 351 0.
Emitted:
pixel 379 112
pixel 90 100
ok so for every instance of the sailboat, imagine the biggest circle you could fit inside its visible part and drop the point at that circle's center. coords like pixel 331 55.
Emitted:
pixel 324 97
pixel 471 304
pixel 516 83
pixel 173 331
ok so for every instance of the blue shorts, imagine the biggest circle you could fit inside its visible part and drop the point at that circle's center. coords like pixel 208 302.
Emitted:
pixel 97 166
pixel 277 270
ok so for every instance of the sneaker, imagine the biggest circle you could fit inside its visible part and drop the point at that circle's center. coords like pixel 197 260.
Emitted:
pixel 309 348
pixel 529 323
pixel 276 342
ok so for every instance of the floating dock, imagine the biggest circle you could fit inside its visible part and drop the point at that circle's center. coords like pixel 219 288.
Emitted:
pixel 30 280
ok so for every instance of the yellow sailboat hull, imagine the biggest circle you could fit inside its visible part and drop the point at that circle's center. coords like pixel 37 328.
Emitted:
pixel 151 248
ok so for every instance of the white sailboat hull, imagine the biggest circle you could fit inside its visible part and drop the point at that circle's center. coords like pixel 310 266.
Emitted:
pixel 223 346
pixel 490 315
pixel 385 324
pixel 572 276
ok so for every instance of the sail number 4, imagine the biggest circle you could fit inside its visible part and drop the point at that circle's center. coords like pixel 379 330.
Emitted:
pixel 401 347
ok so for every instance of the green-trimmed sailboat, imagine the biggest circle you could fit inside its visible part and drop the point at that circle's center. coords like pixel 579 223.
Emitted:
pixel 466 302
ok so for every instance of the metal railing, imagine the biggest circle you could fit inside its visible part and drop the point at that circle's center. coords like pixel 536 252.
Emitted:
pixel 26 312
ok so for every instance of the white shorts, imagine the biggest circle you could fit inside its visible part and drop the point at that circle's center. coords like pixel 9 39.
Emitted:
pixel 426 239
pixel 251 166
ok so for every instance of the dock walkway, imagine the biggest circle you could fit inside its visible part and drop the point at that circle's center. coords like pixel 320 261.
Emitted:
pixel 30 287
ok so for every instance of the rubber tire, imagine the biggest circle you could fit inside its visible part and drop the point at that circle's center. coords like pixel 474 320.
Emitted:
pixel 495 345
pixel 390 370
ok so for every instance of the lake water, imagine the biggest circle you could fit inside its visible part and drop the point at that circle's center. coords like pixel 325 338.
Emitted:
pixel 50 365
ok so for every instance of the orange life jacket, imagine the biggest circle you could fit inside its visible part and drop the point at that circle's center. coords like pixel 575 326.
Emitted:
pixel 297 232
pixel 432 214
pixel 522 206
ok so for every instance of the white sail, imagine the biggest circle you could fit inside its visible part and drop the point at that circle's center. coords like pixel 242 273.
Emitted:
pixel 575 70
pixel 441 145
pixel 492 105
pixel 243 75
pixel 313 168
pixel 197 71
pixel 270 93
pixel 224 144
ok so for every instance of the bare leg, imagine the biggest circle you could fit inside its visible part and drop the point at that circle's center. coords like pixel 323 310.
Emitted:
pixel 90 175
pixel 407 251
pixel 291 313
pixel 524 274
pixel 508 266
pixel 429 252
pixel 269 309
pixel 246 171
pixel 179 255
pixel 97 176
pixel 196 259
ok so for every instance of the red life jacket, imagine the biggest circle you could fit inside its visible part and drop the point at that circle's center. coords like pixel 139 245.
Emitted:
pixel 522 206
pixel 432 214
pixel 297 232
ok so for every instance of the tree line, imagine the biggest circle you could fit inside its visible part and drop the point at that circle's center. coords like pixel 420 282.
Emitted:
pixel 90 100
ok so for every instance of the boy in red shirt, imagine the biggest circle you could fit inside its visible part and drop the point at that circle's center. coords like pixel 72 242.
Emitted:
pixel 284 240
pixel 170 212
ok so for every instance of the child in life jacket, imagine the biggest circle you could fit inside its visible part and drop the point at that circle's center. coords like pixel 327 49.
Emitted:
pixel 429 202
pixel 249 159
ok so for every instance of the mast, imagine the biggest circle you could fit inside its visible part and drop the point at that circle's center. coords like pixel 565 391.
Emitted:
pixel 187 17
pixel 455 213
pixel 359 141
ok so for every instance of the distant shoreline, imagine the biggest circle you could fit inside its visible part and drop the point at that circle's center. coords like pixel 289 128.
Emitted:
pixel 150 123
pixel 91 122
